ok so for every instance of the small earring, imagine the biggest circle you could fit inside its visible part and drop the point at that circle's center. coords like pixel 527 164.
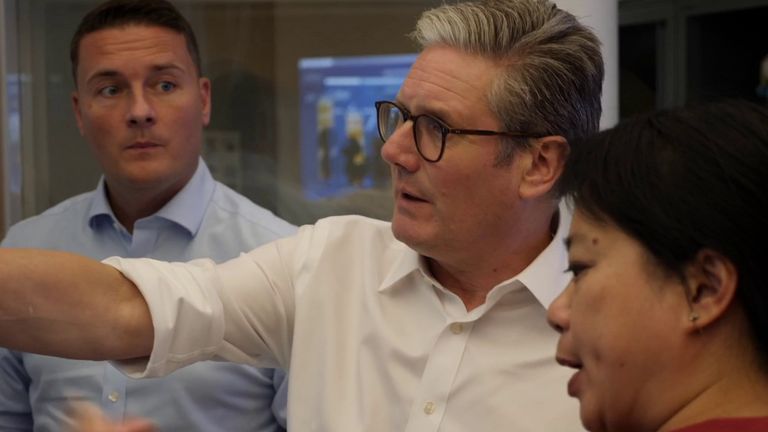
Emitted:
pixel 693 317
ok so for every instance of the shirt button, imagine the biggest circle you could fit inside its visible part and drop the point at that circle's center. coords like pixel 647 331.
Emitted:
pixel 113 397
pixel 457 328
pixel 429 408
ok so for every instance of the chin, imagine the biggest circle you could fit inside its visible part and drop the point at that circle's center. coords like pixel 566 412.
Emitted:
pixel 590 417
pixel 409 233
pixel 594 422
pixel 401 233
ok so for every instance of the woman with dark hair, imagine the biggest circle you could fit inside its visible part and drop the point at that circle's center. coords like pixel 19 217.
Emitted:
pixel 666 318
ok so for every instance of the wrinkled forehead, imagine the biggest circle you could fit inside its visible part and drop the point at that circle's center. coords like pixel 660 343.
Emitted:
pixel 446 81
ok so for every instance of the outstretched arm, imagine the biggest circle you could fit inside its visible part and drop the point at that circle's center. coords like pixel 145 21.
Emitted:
pixel 66 305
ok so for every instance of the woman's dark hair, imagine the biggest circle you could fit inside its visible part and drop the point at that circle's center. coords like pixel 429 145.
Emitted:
pixel 683 180
pixel 120 13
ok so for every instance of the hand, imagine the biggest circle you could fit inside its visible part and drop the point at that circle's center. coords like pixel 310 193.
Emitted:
pixel 89 419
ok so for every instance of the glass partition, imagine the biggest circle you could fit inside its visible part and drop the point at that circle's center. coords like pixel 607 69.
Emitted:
pixel 256 54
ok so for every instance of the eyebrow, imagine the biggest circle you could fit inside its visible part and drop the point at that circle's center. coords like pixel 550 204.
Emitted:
pixel 111 73
pixel 437 113
pixel 106 73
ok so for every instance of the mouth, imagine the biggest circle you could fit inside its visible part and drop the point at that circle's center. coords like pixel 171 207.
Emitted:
pixel 142 145
pixel 562 361
pixel 410 196
pixel 574 384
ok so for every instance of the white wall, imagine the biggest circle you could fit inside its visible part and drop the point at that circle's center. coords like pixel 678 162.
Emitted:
pixel 603 17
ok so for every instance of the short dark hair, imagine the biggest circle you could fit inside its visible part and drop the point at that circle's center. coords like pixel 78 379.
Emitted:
pixel 120 13
pixel 684 180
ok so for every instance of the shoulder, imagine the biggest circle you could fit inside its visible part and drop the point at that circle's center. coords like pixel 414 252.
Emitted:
pixel 60 217
pixel 355 223
pixel 229 205
pixel 352 230
pixel 356 246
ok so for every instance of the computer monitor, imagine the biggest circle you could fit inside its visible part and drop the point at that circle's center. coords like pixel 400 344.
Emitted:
pixel 339 141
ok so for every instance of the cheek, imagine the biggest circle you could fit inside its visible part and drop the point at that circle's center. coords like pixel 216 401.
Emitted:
pixel 599 325
pixel 607 391
pixel 99 133
pixel 604 331
pixel 458 204
pixel 186 127
pixel 618 357
pixel 186 118
pixel 482 186
pixel 101 121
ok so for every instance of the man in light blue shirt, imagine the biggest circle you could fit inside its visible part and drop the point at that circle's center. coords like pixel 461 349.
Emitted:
pixel 141 104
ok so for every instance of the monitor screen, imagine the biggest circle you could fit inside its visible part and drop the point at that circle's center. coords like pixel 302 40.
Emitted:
pixel 339 141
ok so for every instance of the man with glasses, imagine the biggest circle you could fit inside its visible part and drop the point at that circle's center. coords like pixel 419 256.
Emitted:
pixel 433 322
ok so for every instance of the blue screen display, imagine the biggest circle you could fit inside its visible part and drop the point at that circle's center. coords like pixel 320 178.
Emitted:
pixel 339 142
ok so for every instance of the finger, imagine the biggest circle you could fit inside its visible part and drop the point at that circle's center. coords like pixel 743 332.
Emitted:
pixel 137 425
pixel 88 418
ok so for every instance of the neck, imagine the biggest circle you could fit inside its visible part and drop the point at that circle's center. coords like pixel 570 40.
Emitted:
pixel 727 398
pixel 473 276
pixel 725 378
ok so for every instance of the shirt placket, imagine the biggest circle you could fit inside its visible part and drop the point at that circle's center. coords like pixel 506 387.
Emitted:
pixel 113 396
pixel 438 378
pixel 143 239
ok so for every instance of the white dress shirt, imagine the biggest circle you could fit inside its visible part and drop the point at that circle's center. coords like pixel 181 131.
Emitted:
pixel 371 341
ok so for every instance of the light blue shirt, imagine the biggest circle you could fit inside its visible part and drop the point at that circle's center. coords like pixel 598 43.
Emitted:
pixel 205 219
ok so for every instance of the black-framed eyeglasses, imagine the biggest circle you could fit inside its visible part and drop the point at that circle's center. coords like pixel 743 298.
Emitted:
pixel 428 132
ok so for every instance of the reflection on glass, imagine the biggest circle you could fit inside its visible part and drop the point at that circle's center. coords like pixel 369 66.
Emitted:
pixel 339 143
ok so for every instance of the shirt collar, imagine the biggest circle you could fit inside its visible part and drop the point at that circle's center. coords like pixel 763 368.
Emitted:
pixel 100 208
pixel 186 208
pixel 545 277
pixel 407 262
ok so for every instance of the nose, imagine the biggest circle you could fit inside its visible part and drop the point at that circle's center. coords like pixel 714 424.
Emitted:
pixel 141 113
pixel 559 312
pixel 400 149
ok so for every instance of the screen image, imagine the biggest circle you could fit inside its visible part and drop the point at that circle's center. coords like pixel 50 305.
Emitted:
pixel 339 141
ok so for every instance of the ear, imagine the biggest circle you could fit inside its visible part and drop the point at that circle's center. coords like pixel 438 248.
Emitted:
pixel 547 160
pixel 711 281
pixel 76 109
pixel 205 99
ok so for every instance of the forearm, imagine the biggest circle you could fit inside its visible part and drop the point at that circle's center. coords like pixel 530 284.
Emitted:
pixel 61 304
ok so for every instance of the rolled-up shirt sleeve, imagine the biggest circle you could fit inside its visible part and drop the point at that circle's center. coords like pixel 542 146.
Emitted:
pixel 240 310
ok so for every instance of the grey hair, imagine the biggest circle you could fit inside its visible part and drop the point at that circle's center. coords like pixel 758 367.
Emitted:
pixel 552 75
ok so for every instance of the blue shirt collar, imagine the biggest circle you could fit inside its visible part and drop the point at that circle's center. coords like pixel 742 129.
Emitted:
pixel 186 208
